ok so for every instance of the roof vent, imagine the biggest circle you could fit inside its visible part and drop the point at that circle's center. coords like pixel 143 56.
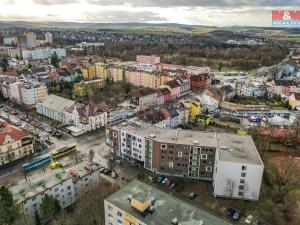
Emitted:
pixel 152 135
pixel 223 147
pixel 196 142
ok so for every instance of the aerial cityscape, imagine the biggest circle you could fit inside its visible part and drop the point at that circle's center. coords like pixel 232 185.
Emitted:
pixel 149 112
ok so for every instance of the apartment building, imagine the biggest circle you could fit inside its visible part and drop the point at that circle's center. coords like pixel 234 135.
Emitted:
pixel 192 154
pixel 31 39
pixel 81 89
pixel 28 93
pixel 66 185
pixel 15 143
pixel 138 203
pixel 49 37
pixel 10 41
pixel 144 98
pixel 43 53
pixel 145 59
pixel 238 168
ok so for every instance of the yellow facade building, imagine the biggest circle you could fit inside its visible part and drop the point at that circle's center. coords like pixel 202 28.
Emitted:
pixel 15 143
pixel 81 89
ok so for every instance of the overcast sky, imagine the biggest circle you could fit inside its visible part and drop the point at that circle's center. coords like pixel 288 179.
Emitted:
pixel 201 12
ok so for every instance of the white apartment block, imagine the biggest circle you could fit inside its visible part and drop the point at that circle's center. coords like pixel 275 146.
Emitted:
pixel 10 40
pixel 238 168
pixel 145 59
pixel 49 37
pixel 27 93
pixel 43 53
pixel 66 185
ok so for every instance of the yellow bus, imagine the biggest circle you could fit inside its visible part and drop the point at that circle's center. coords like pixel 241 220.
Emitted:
pixel 56 154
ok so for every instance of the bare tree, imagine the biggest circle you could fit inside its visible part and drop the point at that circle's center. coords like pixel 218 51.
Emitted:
pixel 229 189
pixel 284 177
pixel 91 155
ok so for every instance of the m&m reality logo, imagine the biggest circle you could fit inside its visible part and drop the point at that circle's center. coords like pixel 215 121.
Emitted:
pixel 286 18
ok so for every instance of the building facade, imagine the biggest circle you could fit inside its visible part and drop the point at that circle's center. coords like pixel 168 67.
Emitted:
pixel 64 185
pixel 192 154
pixel 15 143
pixel 43 53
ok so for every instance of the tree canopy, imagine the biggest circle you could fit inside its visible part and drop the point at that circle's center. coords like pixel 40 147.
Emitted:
pixel 49 208
pixel 9 210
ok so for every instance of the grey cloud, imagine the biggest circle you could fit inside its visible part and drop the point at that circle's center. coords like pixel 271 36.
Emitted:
pixel 123 16
pixel 196 3
pixel 180 3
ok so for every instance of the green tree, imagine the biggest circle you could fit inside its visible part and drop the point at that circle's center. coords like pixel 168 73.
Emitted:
pixel 37 218
pixel 4 64
pixel 9 210
pixel 220 66
pixel 49 208
pixel 54 60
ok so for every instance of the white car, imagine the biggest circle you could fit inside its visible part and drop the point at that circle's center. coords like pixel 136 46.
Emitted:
pixel 164 181
pixel 249 219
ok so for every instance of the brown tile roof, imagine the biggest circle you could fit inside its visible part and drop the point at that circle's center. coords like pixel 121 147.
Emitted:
pixel 14 132
pixel 89 109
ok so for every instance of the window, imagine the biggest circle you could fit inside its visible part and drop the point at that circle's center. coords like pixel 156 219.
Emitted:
pixel 179 154
pixel 119 213
pixel 208 169
pixel 110 216
pixel 171 164
pixel 242 181
pixel 241 193
pixel 204 156
pixel 244 168
pixel 241 187
pixel 115 135
pixel 243 174
pixel 163 146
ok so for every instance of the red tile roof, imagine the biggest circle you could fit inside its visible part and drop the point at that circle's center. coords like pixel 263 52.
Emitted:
pixel 14 132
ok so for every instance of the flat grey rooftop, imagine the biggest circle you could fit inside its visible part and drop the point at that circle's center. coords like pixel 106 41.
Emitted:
pixel 166 207
pixel 237 148
pixel 231 147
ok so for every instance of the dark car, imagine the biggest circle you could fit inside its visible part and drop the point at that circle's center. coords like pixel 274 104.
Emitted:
pixel 173 185
pixel 233 213
pixel 193 195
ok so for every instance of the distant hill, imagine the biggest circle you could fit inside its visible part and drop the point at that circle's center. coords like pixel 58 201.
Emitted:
pixel 73 25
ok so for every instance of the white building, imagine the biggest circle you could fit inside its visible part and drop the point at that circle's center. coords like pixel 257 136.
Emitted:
pixel 238 168
pixel 43 53
pixel 54 107
pixel 138 203
pixel 27 94
pixel 208 103
pixel 86 117
pixel 10 40
pixel 49 37
pixel 66 185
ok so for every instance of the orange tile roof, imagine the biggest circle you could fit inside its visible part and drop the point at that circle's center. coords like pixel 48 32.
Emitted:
pixel 14 132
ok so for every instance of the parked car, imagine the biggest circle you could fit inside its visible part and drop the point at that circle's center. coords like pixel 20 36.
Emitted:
pixel 113 174
pixel 14 113
pixel 165 181
pixel 193 195
pixel 160 179
pixel 249 219
pixel 233 213
pixel 173 185
pixel 102 169
pixel 168 183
